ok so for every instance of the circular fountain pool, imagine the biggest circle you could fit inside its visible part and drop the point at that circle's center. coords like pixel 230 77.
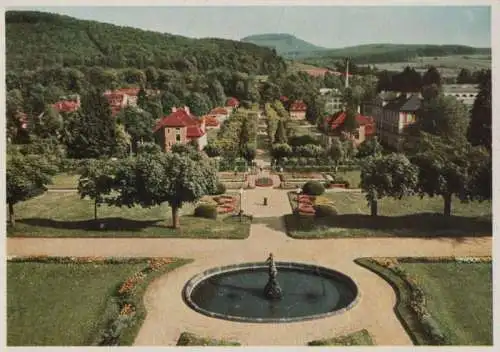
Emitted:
pixel 236 293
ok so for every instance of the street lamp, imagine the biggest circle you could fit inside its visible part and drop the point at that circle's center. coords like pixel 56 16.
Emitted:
pixel 298 191
pixel 241 201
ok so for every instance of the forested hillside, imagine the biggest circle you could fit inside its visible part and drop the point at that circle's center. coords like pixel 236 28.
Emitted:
pixel 35 40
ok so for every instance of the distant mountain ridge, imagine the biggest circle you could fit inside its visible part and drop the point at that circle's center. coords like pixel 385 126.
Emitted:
pixel 291 47
pixel 286 45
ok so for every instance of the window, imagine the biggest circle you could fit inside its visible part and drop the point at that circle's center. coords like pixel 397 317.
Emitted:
pixel 178 137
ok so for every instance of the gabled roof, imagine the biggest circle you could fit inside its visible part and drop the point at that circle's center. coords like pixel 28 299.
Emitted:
pixel 194 132
pixel 211 121
pixel 404 103
pixel 66 106
pixel 219 111
pixel 179 118
pixel 232 102
pixel 338 119
pixel 298 105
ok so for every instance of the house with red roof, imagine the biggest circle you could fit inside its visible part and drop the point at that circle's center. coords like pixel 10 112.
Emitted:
pixel 211 122
pixel 180 127
pixel 120 98
pixel 67 105
pixel 220 113
pixel 231 104
pixel 333 125
pixel 297 110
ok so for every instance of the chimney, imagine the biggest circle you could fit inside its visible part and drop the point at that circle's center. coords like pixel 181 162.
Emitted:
pixel 174 109
pixel 347 73
pixel 186 109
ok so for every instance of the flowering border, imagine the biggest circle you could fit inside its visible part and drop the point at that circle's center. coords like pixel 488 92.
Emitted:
pixel 127 299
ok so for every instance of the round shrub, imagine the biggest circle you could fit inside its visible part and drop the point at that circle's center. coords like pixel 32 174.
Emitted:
pixel 313 188
pixel 324 211
pixel 207 211
pixel 221 188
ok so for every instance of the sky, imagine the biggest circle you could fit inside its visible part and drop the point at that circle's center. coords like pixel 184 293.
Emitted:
pixel 327 26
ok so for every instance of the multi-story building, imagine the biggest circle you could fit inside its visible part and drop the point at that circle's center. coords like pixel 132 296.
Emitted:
pixel 333 127
pixel 180 127
pixel 466 93
pixel 394 116
pixel 298 110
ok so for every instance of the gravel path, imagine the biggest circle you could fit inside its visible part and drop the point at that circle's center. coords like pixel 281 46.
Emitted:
pixel 168 316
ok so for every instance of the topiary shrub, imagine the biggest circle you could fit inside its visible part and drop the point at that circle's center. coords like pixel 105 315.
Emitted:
pixel 313 188
pixel 206 211
pixel 323 210
pixel 221 188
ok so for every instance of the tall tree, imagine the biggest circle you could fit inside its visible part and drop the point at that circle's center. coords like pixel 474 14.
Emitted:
pixel 391 175
pixel 94 131
pixel 199 103
pixel 152 179
pixel 138 124
pixel 370 147
pixel 244 136
pixel 431 76
pixel 26 177
pixel 446 169
pixel 464 76
pixel 281 135
pixel 48 124
pixel 96 182
pixel 479 130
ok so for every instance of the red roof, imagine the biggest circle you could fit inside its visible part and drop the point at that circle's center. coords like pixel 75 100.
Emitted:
pixel 284 98
pixel 232 102
pixel 128 91
pixel 298 105
pixel 338 119
pixel 219 111
pixel 66 106
pixel 194 132
pixel 179 118
pixel 211 121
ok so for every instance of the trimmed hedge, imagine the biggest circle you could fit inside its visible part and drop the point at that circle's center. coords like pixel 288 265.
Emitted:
pixel 221 188
pixel 190 339
pixel 313 188
pixel 207 211
pixel 324 210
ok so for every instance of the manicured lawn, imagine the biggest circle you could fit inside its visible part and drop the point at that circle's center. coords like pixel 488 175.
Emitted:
pixel 353 177
pixel 459 298
pixel 358 338
pixel 190 339
pixel 50 304
pixel 410 216
pixel 64 214
pixel 64 180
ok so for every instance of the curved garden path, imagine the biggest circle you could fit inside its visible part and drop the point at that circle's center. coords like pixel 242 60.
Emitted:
pixel 168 316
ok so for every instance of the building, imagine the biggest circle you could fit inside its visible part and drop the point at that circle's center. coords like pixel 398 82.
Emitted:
pixel 297 110
pixel 221 114
pixel 394 118
pixel 333 100
pixel 123 97
pixel 211 122
pixel 231 104
pixel 180 127
pixel 466 93
pixel 68 105
pixel 321 72
pixel 333 125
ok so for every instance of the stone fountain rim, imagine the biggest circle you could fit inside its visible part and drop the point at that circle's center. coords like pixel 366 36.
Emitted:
pixel 204 275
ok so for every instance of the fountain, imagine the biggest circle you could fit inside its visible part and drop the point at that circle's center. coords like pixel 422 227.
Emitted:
pixel 251 292
pixel 272 289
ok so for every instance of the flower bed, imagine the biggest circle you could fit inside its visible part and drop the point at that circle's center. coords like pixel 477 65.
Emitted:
pixel 264 182
pixel 225 203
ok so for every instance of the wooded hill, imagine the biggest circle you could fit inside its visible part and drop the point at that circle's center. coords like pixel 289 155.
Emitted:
pixel 38 39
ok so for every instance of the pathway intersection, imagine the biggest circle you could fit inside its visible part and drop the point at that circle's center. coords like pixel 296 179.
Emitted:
pixel 168 316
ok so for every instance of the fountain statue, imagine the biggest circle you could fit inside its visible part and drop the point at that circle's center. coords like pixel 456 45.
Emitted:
pixel 272 289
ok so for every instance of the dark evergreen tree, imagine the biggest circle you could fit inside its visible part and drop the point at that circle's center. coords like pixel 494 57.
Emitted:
pixel 479 131
pixel 94 130
pixel 431 76
pixel 280 137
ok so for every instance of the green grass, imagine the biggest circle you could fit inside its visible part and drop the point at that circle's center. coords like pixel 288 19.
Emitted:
pixel 353 177
pixel 64 180
pixel 410 217
pixel 64 214
pixel 50 304
pixel 190 339
pixel 459 298
pixel 358 338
